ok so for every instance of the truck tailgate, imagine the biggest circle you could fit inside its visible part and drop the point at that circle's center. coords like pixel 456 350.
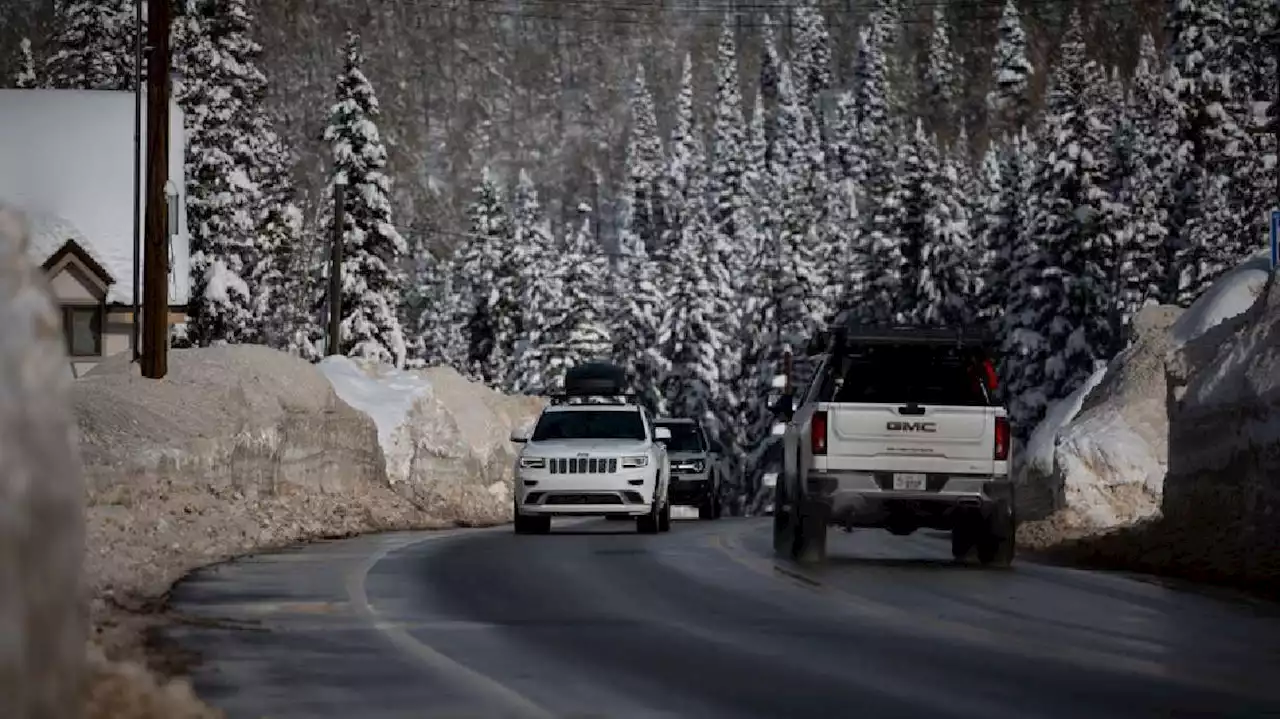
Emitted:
pixel 962 438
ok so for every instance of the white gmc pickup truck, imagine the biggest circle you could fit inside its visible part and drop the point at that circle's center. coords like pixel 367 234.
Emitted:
pixel 899 429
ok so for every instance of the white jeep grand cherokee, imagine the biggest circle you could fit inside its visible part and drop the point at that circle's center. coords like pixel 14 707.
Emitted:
pixel 593 452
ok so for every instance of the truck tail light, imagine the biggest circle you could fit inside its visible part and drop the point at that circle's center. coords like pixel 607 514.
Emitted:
pixel 818 432
pixel 989 368
pixel 1002 439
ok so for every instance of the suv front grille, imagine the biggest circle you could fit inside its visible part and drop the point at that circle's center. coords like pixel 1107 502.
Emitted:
pixel 583 465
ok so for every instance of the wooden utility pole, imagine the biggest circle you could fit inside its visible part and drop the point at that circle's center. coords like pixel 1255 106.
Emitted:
pixel 334 338
pixel 155 290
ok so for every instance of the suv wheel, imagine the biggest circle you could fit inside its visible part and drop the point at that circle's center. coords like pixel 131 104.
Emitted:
pixel 527 524
pixel 664 518
pixel 710 508
pixel 650 523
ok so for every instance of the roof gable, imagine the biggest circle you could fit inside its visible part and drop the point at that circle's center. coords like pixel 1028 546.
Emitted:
pixel 73 249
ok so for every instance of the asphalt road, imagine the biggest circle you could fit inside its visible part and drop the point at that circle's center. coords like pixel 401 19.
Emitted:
pixel 597 621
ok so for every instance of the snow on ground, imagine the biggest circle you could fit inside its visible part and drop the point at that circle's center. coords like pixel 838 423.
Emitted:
pixel 386 395
pixel 1037 454
pixel 446 440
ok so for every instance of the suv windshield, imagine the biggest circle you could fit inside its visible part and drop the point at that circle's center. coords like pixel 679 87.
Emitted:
pixel 685 437
pixel 588 424
pixel 920 375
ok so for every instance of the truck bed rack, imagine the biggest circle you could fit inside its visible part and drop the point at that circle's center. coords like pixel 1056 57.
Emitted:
pixel 840 337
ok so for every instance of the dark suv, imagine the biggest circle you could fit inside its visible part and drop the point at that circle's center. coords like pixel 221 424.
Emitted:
pixel 694 482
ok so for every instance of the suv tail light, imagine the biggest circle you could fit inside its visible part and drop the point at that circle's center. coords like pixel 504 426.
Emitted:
pixel 818 432
pixel 1002 439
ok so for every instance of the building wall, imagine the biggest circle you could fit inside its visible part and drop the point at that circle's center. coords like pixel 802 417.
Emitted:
pixel 74 284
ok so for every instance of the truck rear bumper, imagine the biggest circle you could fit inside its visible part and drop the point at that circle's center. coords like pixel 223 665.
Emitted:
pixel 867 499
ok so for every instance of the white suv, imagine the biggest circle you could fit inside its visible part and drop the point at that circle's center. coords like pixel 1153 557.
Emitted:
pixel 592 454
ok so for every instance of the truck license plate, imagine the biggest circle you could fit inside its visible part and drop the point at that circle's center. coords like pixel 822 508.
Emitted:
pixel 909 481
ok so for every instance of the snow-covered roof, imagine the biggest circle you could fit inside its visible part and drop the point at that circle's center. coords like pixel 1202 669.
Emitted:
pixel 67 161
pixel 48 233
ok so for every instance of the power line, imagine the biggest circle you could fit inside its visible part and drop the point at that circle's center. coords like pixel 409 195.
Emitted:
pixel 499 8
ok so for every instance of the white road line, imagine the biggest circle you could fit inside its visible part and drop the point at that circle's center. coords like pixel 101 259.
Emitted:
pixel 456 673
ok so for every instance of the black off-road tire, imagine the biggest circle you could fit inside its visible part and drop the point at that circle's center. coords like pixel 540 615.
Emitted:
pixel 997 544
pixel 963 539
pixel 783 534
pixel 664 518
pixel 809 544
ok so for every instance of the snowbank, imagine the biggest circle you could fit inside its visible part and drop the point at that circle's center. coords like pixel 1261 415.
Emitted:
pixel 1037 493
pixel 1222 494
pixel 1100 457
pixel 41 498
pixel 446 440
pixel 1229 297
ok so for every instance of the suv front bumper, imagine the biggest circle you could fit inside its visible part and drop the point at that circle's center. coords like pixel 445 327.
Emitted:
pixel 627 492
pixel 867 499
pixel 691 489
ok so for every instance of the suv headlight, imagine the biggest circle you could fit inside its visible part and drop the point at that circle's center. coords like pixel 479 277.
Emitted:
pixel 698 465
pixel 635 462
pixel 689 465
pixel 533 463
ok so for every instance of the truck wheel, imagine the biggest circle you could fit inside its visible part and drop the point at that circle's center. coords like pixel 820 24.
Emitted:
pixel 809 545
pixel 962 540
pixel 708 508
pixel 997 544
pixel 782 531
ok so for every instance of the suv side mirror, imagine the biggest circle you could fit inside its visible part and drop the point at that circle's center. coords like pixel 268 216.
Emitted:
pixel 661 434
pixel 520 435
pixel 784 408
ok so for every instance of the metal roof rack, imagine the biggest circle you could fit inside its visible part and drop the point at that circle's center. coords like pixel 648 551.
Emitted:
pixel 589 399
pixel 841 336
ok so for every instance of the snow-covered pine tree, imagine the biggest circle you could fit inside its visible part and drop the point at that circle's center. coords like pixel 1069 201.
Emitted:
pixel 487 283
pixel 940 78
pixel 540 286
pixel 1008 102
pixel 440 339
pixel 1149 192
pixel 770 69
pixel 1005 228
pixel 1067 315
pixel 946 283
pixel 640 208
pixel 698 296
pixel 756 326
pixel 25 76
pixel 280 281
pixel 1204 217
pixel 373 249
pixel 811 59
pixel 989 265
pixel 581 333
pixel 220 91
pixel 92 45
pixel 798 168
pixel 728 251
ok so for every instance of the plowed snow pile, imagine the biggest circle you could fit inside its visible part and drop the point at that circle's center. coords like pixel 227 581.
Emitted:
pixel 1099 459
pixel 1183 431
pixel 446 440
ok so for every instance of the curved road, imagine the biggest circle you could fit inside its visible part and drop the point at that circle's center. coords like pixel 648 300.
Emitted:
pixel 597 621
